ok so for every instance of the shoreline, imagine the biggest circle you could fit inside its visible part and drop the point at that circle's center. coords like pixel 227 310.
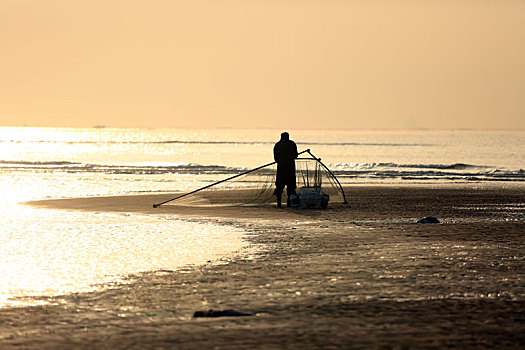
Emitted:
pixel 215 203
pixel 349 277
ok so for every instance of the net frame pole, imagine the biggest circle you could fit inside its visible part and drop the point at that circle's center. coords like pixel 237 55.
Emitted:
pixel 224 180
pixel 331 173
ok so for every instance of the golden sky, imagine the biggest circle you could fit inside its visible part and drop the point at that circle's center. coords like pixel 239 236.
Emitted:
pixel 269 63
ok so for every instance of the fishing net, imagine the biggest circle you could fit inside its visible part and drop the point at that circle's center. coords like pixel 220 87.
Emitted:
pixel 257 187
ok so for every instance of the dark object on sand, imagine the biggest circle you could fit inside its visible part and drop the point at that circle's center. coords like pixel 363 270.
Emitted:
pixel 428 220
pixel 220 313
pixel 313 197
pixel 294 201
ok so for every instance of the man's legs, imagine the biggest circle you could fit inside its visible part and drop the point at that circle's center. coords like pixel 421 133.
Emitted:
pixel 285 177
pixel 278 193
pixel 290 188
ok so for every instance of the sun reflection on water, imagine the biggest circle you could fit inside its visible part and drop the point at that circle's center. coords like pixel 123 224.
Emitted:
pixel 51 252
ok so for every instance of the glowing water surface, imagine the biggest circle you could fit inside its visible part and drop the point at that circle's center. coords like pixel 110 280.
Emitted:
pixel 47 252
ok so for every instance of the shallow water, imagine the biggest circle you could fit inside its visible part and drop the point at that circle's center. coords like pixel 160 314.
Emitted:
pixel 362 156
pixel 51 252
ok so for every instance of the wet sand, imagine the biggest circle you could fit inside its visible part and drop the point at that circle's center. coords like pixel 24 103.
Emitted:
pixel 363 276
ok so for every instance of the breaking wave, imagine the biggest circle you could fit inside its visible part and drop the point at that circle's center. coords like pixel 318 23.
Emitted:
pixel 455 166
pixel 345 171
pixel 71 167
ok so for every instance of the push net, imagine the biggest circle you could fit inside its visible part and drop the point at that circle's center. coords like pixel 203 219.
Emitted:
pixel 256 187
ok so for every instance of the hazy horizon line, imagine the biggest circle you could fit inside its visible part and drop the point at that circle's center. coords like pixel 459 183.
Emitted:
pixel 261 128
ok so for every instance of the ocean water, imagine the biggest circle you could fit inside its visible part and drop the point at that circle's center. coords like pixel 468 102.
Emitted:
pixel 48 252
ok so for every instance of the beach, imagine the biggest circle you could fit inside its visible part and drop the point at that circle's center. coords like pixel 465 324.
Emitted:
pixel 362 275
pixel 144 148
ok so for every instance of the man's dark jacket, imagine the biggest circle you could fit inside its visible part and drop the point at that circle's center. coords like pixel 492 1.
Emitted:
pixel 284 153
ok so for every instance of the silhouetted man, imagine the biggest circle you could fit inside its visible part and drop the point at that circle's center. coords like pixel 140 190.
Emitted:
pixel 284 153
